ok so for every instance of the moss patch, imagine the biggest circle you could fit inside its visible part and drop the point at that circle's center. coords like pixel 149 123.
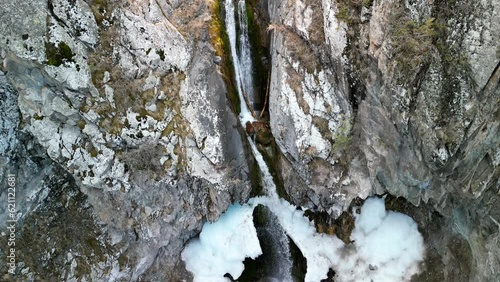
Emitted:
pixel 220 42
pixel 343 136
pixel 58 54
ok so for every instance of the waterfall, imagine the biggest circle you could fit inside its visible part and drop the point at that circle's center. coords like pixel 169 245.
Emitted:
pixel 267 178
pixel 242 61
pixel 388 241
pixel 245 54
pixel 243 75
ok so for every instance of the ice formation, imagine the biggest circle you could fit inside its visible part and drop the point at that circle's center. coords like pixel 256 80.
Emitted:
pixel 223 246
pixel 387 245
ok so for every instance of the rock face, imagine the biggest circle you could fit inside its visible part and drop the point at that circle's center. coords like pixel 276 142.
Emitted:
pixel 116 122
pixel 114 118
pixel 375 97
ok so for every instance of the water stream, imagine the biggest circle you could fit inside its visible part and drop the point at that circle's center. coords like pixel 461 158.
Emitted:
pixel 242 62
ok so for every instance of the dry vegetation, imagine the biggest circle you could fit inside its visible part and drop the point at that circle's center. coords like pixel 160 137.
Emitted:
pixel 301 50
pixel 307 51
pixel 144 163
pixel 191 18
pixel 412 43
pixel 316 29
pixel 294 80
pixel 128 94
pixel 349 10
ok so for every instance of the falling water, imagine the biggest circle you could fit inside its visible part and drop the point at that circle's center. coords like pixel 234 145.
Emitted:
pixel 242 62
pixel 245 55
pixel 267 178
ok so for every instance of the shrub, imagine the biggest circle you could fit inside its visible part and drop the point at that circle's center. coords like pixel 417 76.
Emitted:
pixel 413 43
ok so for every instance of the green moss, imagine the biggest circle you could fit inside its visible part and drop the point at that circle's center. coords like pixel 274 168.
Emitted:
pixel 58 55
pixel 220 42
pixel 92 151
pixel 161 53
pixel 37 116
pixel 342 137
pixel 343 11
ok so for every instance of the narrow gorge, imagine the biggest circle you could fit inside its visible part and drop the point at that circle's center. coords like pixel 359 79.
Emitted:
pixel 250 140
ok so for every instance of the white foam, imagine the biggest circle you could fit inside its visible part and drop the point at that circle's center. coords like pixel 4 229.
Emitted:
pixel 245 116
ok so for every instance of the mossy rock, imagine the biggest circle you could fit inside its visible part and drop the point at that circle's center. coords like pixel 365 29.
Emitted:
pixel 58 55
pixel 264 138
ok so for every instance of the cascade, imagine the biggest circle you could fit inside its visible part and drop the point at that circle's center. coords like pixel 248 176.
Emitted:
pixel 383 239
pixel 242 62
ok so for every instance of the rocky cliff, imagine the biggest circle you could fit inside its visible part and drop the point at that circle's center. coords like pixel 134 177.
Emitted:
pixel 118 121
pixel 399 98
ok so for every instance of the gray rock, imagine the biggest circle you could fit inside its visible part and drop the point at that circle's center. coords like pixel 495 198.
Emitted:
pixel 432 139
pixel 130 184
